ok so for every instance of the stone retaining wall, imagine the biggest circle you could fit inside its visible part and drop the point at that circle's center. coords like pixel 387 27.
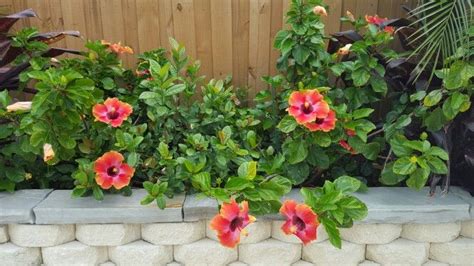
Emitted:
pixel 181 236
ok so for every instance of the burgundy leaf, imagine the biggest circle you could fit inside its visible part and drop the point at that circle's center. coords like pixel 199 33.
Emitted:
pixel 7 22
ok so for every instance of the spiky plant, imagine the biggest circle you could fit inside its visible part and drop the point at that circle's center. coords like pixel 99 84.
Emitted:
pixel 445 31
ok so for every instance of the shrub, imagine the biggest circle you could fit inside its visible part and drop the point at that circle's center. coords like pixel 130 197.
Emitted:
pixel 334 121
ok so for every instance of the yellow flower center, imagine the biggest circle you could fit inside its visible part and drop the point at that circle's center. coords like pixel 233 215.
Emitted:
pixel 413 159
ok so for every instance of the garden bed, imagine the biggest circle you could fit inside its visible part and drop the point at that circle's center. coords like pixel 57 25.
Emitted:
pixel 402 226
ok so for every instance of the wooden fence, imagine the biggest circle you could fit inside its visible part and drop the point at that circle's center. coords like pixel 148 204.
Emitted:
pixel 228 36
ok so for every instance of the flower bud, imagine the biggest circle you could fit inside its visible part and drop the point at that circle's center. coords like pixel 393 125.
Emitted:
pixel 48 152
pixel 350 16
pixel 19 106
pixel 320 10
pixel 344 50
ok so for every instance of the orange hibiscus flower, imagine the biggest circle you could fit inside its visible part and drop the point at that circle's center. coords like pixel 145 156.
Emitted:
pixel 112 171
pixel 231 221
pixel 307 106
pixel 117 48
pixel 300 221
pixel 112 112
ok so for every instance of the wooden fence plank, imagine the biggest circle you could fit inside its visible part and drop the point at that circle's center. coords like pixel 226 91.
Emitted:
pixel 93 17
pixel 240 38
pixel 276 26
pixel 166 22
pixel 148 25
pixel 184 30
pixel 74 19
pixel 332 21
pixel 259 50
pixel 202 17
pixel 130 20
pixel 221 19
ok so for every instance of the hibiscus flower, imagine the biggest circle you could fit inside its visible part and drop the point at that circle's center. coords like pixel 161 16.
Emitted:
pixel 112 112
pixel 117 48
pixel 306 106
pixel 300 221
pixel 325 124
pixel 376 20
pixel 231 221
pixel 112 171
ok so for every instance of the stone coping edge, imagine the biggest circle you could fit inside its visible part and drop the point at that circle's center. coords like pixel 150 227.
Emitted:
pixel 385 204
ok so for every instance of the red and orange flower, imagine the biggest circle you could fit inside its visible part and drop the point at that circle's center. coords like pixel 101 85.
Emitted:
pixel 379 22
pixel 325 124
pixel 300 221
pixel 117 48
pixel 389 29
pixel 376 20
pixel 307 105
pixel 112 171
pixel 112 112
pixel 231 221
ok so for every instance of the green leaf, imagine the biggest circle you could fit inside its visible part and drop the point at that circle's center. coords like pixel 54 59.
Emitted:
pixel 175 89
pixel 458 75
pixel 437 165
pixel 453 105
pixel 238 184
pixel 298 172
pixel 248 170
pixel 4 98
pixel 67 141
pixel 379 85
pixel 296 151
pixel 403 166
pixel 435 120
pixel 225 134
pixel 418 96
pixel 362 113
pixel 147 200
pixel 388 177
pixel 108 83
pixel 161 202
pixel 287 124
pixel 201 181
pixel 164 151
pixel 437 151
pixel 360 77
pixel 371 150
pixel 78 192
pixel 98 193
pixel 347 184
pixel 133 158
pixel 148 95
pixel 332 231
pixel 15 174
pixel 418 178
pixel 301 54
pixel 433 98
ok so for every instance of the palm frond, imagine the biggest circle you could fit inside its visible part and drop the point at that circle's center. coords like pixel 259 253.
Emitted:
pixel 443 32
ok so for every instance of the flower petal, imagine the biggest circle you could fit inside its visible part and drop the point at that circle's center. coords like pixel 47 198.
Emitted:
pixel 220 224
pixel 288 208
pixel 104 181
pixel 305 213
pixel 230 239
pixel 297 98
pixel 230 210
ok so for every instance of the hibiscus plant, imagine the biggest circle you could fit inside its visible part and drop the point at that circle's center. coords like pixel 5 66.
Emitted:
pixel 333 122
